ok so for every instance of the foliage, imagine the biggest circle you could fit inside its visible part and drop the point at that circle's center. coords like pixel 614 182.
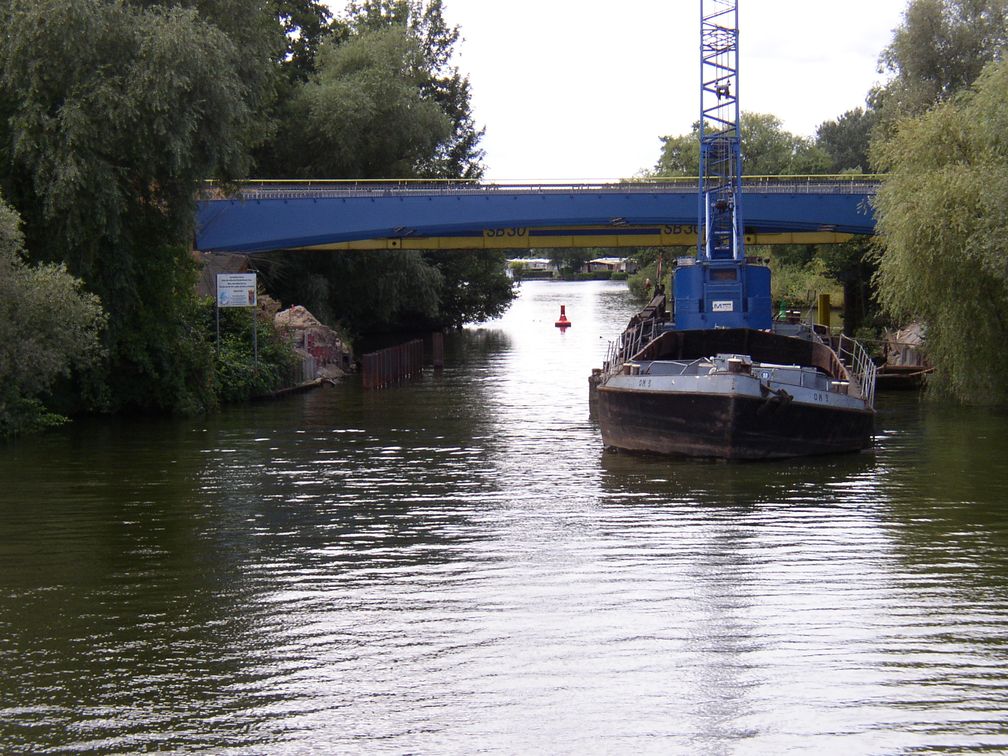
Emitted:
pixel 401 287
pixel 160 357
pixel 767 149
pixel 459 155
pixel 110 117
pixel 571 260
pixel 372 292
pixel 363 115
pixel 48 326
pixel 795 285
pixel 238 374
pixel 943 224
pixel 112 113
pixel 374 96
pixel 853 266
pixel 642 283
pixel 382 100
pixel 306 24
pixel 680 155
pixel 846 140
pixel 113 116
pixel 474 287
pixel 940 49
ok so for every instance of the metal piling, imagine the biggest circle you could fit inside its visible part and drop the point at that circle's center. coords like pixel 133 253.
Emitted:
pixel 392 365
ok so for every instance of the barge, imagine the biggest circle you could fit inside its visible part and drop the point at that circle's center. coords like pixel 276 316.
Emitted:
pixel 717 377
pixel 737 393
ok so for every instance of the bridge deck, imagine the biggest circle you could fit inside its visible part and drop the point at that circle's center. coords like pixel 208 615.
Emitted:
pixel 423 214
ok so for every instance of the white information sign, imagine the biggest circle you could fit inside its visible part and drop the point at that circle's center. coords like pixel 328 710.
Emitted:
pixel 236 289
pixel 723 305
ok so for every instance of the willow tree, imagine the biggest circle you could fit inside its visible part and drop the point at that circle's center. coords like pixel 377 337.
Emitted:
pixel 110 117
pixel 943 234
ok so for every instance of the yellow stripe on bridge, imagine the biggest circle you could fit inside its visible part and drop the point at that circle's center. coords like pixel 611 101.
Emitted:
pixel 575 238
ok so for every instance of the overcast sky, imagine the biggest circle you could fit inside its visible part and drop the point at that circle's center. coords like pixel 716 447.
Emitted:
pixel 583 89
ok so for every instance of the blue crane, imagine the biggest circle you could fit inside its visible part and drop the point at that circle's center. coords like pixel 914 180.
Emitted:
pixel 720 289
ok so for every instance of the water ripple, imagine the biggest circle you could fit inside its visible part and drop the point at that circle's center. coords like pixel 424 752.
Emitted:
pixel 457 565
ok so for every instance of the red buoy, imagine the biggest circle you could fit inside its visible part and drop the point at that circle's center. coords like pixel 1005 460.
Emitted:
pixel 563 322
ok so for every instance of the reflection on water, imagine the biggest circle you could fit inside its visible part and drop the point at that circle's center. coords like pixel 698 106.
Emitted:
pixel 458 565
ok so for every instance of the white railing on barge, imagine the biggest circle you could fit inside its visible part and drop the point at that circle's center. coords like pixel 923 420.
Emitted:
pixel 860 366
pixel 629 343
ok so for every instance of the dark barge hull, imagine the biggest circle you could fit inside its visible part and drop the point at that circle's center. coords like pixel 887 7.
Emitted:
pixel 728 426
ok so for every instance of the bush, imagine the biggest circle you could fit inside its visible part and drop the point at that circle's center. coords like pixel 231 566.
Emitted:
pixel 597 275
pixel 642 283
pixel 527 274
pixel 238 375
pixel 48 326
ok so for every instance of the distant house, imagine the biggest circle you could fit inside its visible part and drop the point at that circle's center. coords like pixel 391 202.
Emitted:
pixel 612 265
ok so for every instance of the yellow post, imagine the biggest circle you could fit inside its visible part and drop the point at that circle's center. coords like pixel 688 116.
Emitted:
pixel 823 311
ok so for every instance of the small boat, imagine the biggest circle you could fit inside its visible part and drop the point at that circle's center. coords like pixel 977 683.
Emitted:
pixel 901 377
pixel 906 366
pixel 734 393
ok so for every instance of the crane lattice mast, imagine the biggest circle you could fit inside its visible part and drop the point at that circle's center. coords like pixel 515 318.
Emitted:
pixel 719 287
pixel 719 218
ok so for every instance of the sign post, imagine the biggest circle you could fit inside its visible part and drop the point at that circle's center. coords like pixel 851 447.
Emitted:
pixel 238 290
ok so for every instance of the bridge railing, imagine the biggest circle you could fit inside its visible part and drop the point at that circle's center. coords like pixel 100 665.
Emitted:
pixel 842 184
pixel 292 189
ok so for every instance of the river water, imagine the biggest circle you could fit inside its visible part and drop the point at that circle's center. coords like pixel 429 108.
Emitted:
pixel 457 565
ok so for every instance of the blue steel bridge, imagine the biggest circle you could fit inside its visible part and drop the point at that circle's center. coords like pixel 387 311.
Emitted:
pixel 421 214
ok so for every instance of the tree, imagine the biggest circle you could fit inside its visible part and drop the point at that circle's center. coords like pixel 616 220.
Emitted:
pixel 942 228
pixel 380 78
pixel 459 154
pixel 767 149
pixel 680 155
pixel 364 114
pixel 384 101
pixel 939 50
pixel 48 326
pixel 847 139
pixel 474 287
pixel 570 260
pixel 306 25
pixel 375 292
pixel 110 117
pixel 796 285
